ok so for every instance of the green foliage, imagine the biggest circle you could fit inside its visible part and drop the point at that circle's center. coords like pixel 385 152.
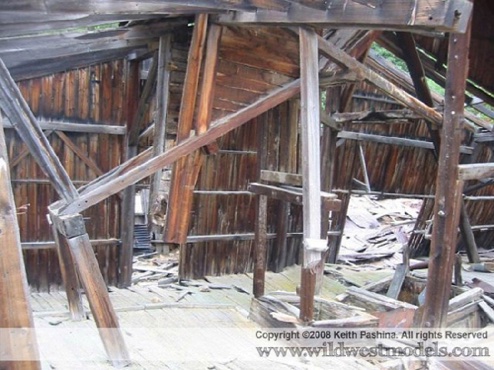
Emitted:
pixel 390 56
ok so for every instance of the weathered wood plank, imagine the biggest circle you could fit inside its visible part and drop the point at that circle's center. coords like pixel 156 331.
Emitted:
pixel 411 15
pixel 448 189
pixel 311 168
pixel 186 170
pixel 89 128
pixel 19 352
pixel 329 201
pixel 73 229
pixel 361 136
pixel 162 100
pixel 475 171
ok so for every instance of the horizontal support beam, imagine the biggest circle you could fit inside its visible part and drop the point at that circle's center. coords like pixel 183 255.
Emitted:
pixel 396 15
pixel 88 128
pixel 52 245
pixel 329 201
pixel 234 237
pixel 475 171
pixel 281 177
pixel 360 136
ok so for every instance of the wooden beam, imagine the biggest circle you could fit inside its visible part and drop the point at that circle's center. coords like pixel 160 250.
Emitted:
pixel 448 190
pixel 70 279
pixel 360 136
pixel 144 100
pixel 53 245
pixel 285 178
pixel 143 166
pixel 127 213
pixel 162 99
pixel 186 171
pixel 16 108
pixel 18 342
pixel 86 128
pixel 475 171
pixel 388 88
pixel 411 15
pixel 311 168
pixel 73 229
pixel 78 152
pixel 329 201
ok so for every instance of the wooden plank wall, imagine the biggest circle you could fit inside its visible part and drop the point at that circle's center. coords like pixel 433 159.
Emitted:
pixel 91 95
pixel 231 170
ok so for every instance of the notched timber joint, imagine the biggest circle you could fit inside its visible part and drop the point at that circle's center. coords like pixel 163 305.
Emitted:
pixel 70 226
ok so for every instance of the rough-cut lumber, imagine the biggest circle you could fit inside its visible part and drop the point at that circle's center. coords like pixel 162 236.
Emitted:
pixel 52 244
pixel 475 171
pixel 448 189
pixel 15 309
pixel 311 169
pixel 360 136
pixel 16 108
pixel 91 128
pixel 388 88
pixel 294 195
pixel 142 166
pixel 71 282
pixel 186 170
pixel 127 215
pixel 470 296
pixel 73 230
pixel 285 178
pixel 162 100
pixel 261 236
pixel 426 15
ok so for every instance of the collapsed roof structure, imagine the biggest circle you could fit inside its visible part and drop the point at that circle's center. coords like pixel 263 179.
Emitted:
pixel 230 80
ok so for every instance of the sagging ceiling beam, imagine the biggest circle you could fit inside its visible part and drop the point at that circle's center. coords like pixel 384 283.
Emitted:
pixel 402 15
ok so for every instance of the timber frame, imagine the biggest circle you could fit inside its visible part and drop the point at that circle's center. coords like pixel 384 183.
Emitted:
pixel 324 47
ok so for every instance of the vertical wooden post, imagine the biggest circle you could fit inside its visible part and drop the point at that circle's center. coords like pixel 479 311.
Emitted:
pixel 310 127
pixel 162 97
pixel 72 228
pixel 70 279
pixel 260 241
pixel 18 350
pixel 448 188
pixel 128 202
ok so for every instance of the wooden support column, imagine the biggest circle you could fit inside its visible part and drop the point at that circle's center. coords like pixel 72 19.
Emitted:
pixel 186 170
pixel 162 97
pixel 70 279
pixel 18 348
pixel 127 218
pixel 310 122
pixel 260 238
pixel 448 189
pixel 73 229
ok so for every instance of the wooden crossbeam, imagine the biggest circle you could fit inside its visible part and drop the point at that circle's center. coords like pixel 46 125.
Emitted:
pixel 411 15
pixel 475 171
pixel 329 201
pixel 85 128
